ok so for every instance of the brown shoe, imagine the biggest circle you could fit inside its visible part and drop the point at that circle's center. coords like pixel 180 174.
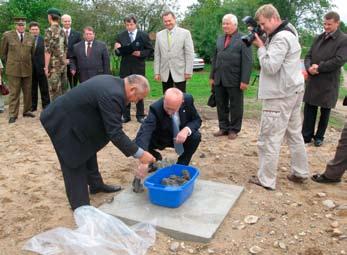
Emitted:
pixel 220 133
pixel 296 179
pixel 232 135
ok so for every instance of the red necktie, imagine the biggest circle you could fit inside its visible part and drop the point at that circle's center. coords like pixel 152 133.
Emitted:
pixel 227 41
pixel 89 49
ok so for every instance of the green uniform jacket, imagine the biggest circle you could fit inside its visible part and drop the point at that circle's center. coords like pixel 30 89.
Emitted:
pixel 16 55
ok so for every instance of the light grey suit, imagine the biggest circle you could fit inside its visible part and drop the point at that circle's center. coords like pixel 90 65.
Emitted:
pixel 176 59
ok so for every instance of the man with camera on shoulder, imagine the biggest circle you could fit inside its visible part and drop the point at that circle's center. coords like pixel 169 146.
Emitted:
pixel 281 87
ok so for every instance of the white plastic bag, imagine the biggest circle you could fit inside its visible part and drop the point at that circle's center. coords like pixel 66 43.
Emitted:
pixel 97 233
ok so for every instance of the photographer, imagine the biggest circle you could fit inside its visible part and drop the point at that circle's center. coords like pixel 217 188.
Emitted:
pixel 281 87
pixel 336 167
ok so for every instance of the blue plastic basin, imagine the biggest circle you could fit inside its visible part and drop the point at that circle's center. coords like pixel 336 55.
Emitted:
pixel 170 196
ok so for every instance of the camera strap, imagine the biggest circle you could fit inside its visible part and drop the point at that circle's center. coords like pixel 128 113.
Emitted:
pixel 283 27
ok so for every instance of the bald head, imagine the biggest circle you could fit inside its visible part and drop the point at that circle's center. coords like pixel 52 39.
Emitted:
pixel 66 21
pixel 173 100
pixel 136 87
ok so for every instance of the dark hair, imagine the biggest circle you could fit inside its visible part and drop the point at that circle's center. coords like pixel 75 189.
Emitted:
pixel 129 18
pixel 168 13
pixel 332 15
pixel 88 28
pixel 55 17
pixel 34 24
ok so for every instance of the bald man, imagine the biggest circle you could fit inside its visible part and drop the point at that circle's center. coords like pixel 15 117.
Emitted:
pixel 173 122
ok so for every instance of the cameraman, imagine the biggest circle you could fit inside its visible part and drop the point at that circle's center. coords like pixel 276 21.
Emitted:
pixel 281 87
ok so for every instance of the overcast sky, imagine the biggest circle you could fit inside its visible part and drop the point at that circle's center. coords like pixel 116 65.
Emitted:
pixel 341 7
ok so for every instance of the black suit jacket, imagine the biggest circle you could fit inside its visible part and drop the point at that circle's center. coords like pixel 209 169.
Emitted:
pixel 39 57
pixel 233 64
pixel 97 63
pixel 84 120
pixel 129 63
pixel 74 37
pixel 158 124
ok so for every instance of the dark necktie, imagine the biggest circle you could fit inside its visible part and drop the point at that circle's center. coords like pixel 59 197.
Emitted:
pixel 67 35
pixel 175 128
pixel 227 41
pixel 89 49
pixel 327 36
pixel 21 37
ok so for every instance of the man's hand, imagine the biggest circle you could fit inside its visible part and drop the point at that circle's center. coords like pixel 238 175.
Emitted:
pixel 117 45
pixel 182 135
pixel 243 86
pixel 68 61
pixel 73 72
pixel 136 53
pixel 187 76
pixel 147 158
pixel 46 71
pixel 211 82
pixel 257 41
pixel 157 77
pixel 313 70
pixel 141 171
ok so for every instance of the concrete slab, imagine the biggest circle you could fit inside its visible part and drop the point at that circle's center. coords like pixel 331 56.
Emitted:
pixel 196 220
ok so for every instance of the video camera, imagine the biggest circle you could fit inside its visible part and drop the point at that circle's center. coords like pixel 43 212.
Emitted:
pixel 250 22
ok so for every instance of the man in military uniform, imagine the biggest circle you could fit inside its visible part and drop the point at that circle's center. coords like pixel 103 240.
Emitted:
pixel 17 49
pixel 55 55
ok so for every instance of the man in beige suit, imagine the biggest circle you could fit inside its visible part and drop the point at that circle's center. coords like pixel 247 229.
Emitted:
pixel 173 54
pixel 17 49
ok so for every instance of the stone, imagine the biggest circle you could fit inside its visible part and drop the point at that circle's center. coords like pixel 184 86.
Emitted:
pixel 191 251
pixel 255 250
pixel 343 237
pixel 321 194
pixel 334 224
pixel 282 245
pixel 336 232
pixel 251 219
pixel 329 203
pixel 210 251
pixel 174 246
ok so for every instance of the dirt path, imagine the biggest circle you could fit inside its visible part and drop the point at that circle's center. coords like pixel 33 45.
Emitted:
pixel 32 196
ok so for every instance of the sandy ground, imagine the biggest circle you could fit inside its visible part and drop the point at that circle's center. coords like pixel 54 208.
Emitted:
pixel 32 196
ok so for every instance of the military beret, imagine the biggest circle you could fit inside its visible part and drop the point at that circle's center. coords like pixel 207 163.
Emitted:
pixel 54 11
pixel 19 20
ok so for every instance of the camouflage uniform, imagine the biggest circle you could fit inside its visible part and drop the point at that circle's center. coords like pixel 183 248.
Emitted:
pixel 55 45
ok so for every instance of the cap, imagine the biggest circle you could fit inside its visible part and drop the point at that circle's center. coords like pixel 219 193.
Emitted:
pixel 54 11
pixel 19 20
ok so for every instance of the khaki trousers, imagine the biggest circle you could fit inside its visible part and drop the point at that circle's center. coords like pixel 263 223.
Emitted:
pixel 15 86
pixel 337 167
pixel 281 118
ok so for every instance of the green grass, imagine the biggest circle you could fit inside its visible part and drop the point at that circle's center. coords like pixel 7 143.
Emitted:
pixel 345 66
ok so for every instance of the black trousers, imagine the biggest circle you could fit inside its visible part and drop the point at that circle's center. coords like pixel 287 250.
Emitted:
pixel 308 127
pixel 140 110
pixel 170 84
pixel 73 79
pixel 229 108
pixel 337 166
pixel 39 81
pixel 77 180
pixel 190 146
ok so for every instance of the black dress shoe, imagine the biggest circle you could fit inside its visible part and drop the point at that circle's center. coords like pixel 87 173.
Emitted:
pixel 33 109
pixel 140 119
pixel 318 142
pixel 1 110
pixel 104 188
pixel 321 178
pixel 12 120
pixel 125 120
pixel 29 114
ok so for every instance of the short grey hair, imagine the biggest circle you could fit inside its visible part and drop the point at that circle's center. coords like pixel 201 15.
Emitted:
pixel 230 17
pixel 66 16
pixel 140 82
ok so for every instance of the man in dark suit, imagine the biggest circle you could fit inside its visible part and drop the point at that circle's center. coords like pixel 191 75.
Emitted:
pixel 323 63
pixel 90 57
pixel 230 74
pixel 133 62
pixel 39 79
pixel 83 121
pixel 172 121
pixel 72 37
